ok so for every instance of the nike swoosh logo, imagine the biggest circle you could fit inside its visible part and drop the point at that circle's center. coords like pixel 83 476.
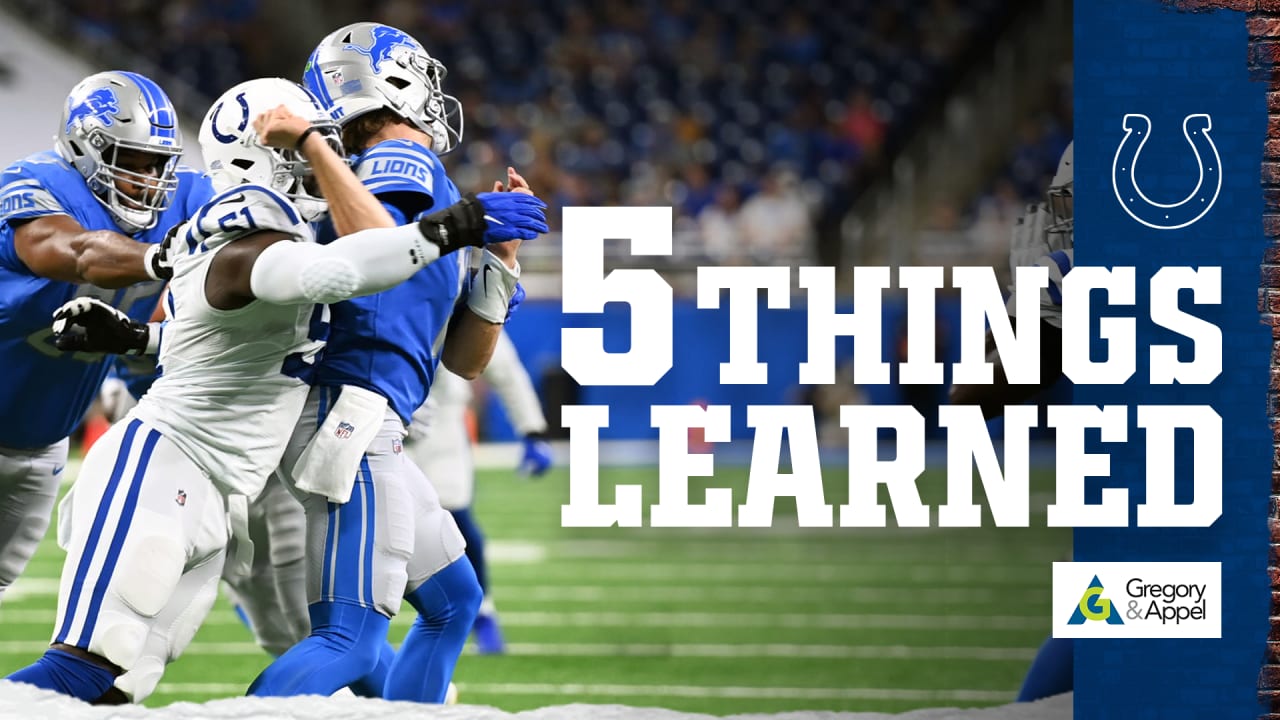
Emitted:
pixel 58 470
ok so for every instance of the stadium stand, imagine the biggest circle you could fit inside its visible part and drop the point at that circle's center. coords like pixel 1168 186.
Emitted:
pixel 727 111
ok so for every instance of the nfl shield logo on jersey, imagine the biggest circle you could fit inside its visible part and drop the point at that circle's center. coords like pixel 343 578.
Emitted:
pixel 344 430
pixel 181 498
pixel 396 446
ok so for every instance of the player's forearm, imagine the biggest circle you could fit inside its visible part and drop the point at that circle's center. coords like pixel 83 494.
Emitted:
pixel 362 263
pixel 110 260
pixel 469 344
pixel 351 206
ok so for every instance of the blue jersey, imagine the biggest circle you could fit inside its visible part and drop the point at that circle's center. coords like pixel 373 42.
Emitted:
pixel 389 343
pixel 46 392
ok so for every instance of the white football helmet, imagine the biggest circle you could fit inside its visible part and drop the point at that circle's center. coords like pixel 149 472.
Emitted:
pixel 1061 196
pixel 234 155
pixel 113 111
pixel 367 66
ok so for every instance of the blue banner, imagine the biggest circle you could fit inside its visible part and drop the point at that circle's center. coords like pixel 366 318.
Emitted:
pixel 1151 81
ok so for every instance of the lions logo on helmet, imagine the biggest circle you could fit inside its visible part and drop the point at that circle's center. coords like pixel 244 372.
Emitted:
pixel 100 104
pixel 385 39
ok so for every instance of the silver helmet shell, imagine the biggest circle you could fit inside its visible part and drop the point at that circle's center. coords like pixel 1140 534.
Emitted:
pixel 368 66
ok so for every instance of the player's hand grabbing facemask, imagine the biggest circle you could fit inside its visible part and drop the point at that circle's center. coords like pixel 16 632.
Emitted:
pixel 90 325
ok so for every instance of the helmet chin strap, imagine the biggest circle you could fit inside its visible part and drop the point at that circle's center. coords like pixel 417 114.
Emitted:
pixel 130 219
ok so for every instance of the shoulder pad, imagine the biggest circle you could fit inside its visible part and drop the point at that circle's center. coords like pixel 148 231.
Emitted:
pixel 240 211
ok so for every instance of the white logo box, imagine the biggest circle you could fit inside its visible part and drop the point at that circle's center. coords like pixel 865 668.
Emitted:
pixel 1129 588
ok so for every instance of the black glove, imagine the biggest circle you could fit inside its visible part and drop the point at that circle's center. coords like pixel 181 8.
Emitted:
pixel 90 325
pixel 477 220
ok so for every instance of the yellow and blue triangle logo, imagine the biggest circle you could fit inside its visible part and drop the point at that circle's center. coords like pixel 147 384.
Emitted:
pixel 1093 606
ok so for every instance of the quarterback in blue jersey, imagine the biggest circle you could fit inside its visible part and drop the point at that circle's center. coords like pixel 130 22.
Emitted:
pixel 84 219
pixel 377 533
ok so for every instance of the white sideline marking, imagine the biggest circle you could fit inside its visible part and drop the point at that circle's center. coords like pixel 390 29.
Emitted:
pixel 745 693
pixel 838 621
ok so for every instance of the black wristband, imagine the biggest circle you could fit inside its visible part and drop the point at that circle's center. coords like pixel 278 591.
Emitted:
pixel 303 138
pixel 460 225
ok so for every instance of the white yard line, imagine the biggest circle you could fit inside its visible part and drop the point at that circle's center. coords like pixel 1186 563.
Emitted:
pixel 684 691
pixel 679 650
pixel 832 621
pixel 516 594
pixel 772 650
pixel 745 693
pixel 792 620
pixel 933 575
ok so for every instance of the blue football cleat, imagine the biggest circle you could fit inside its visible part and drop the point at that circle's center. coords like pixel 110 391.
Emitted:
pixel 488 635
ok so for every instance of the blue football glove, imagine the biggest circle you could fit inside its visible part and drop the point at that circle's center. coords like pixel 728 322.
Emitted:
pixel 477 220
pixel 537 455
pixel 517 297
pixel 512 216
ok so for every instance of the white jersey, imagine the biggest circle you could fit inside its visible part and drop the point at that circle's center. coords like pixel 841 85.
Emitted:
pixel 450 394
pixel 232 385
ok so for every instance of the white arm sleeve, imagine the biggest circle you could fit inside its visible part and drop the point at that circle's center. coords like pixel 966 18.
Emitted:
pixel 511 381
pixel 362 263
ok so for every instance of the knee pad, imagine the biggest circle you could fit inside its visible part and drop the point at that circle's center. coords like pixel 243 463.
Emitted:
pixel 147 573
pixel 119 637
pixel 138 683
pixel 184 626
pixel 150 564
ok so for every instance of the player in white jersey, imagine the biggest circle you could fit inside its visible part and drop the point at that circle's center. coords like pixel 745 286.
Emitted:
pixel 1044 236
pixel 147 525
pixel 438 443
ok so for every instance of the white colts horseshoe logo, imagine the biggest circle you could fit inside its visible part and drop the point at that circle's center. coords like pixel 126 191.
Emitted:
pixel 1162 216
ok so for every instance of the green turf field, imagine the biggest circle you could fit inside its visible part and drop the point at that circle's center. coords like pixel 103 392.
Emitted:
pixel 716 621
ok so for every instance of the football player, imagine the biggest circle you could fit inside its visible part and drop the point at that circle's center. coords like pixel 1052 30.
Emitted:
pixel 439 444
pixel 147 524
pixel 377 534
pixel 1044 236
pixel 83 220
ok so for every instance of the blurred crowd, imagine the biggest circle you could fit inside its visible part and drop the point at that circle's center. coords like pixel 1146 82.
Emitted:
pixel 757 122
